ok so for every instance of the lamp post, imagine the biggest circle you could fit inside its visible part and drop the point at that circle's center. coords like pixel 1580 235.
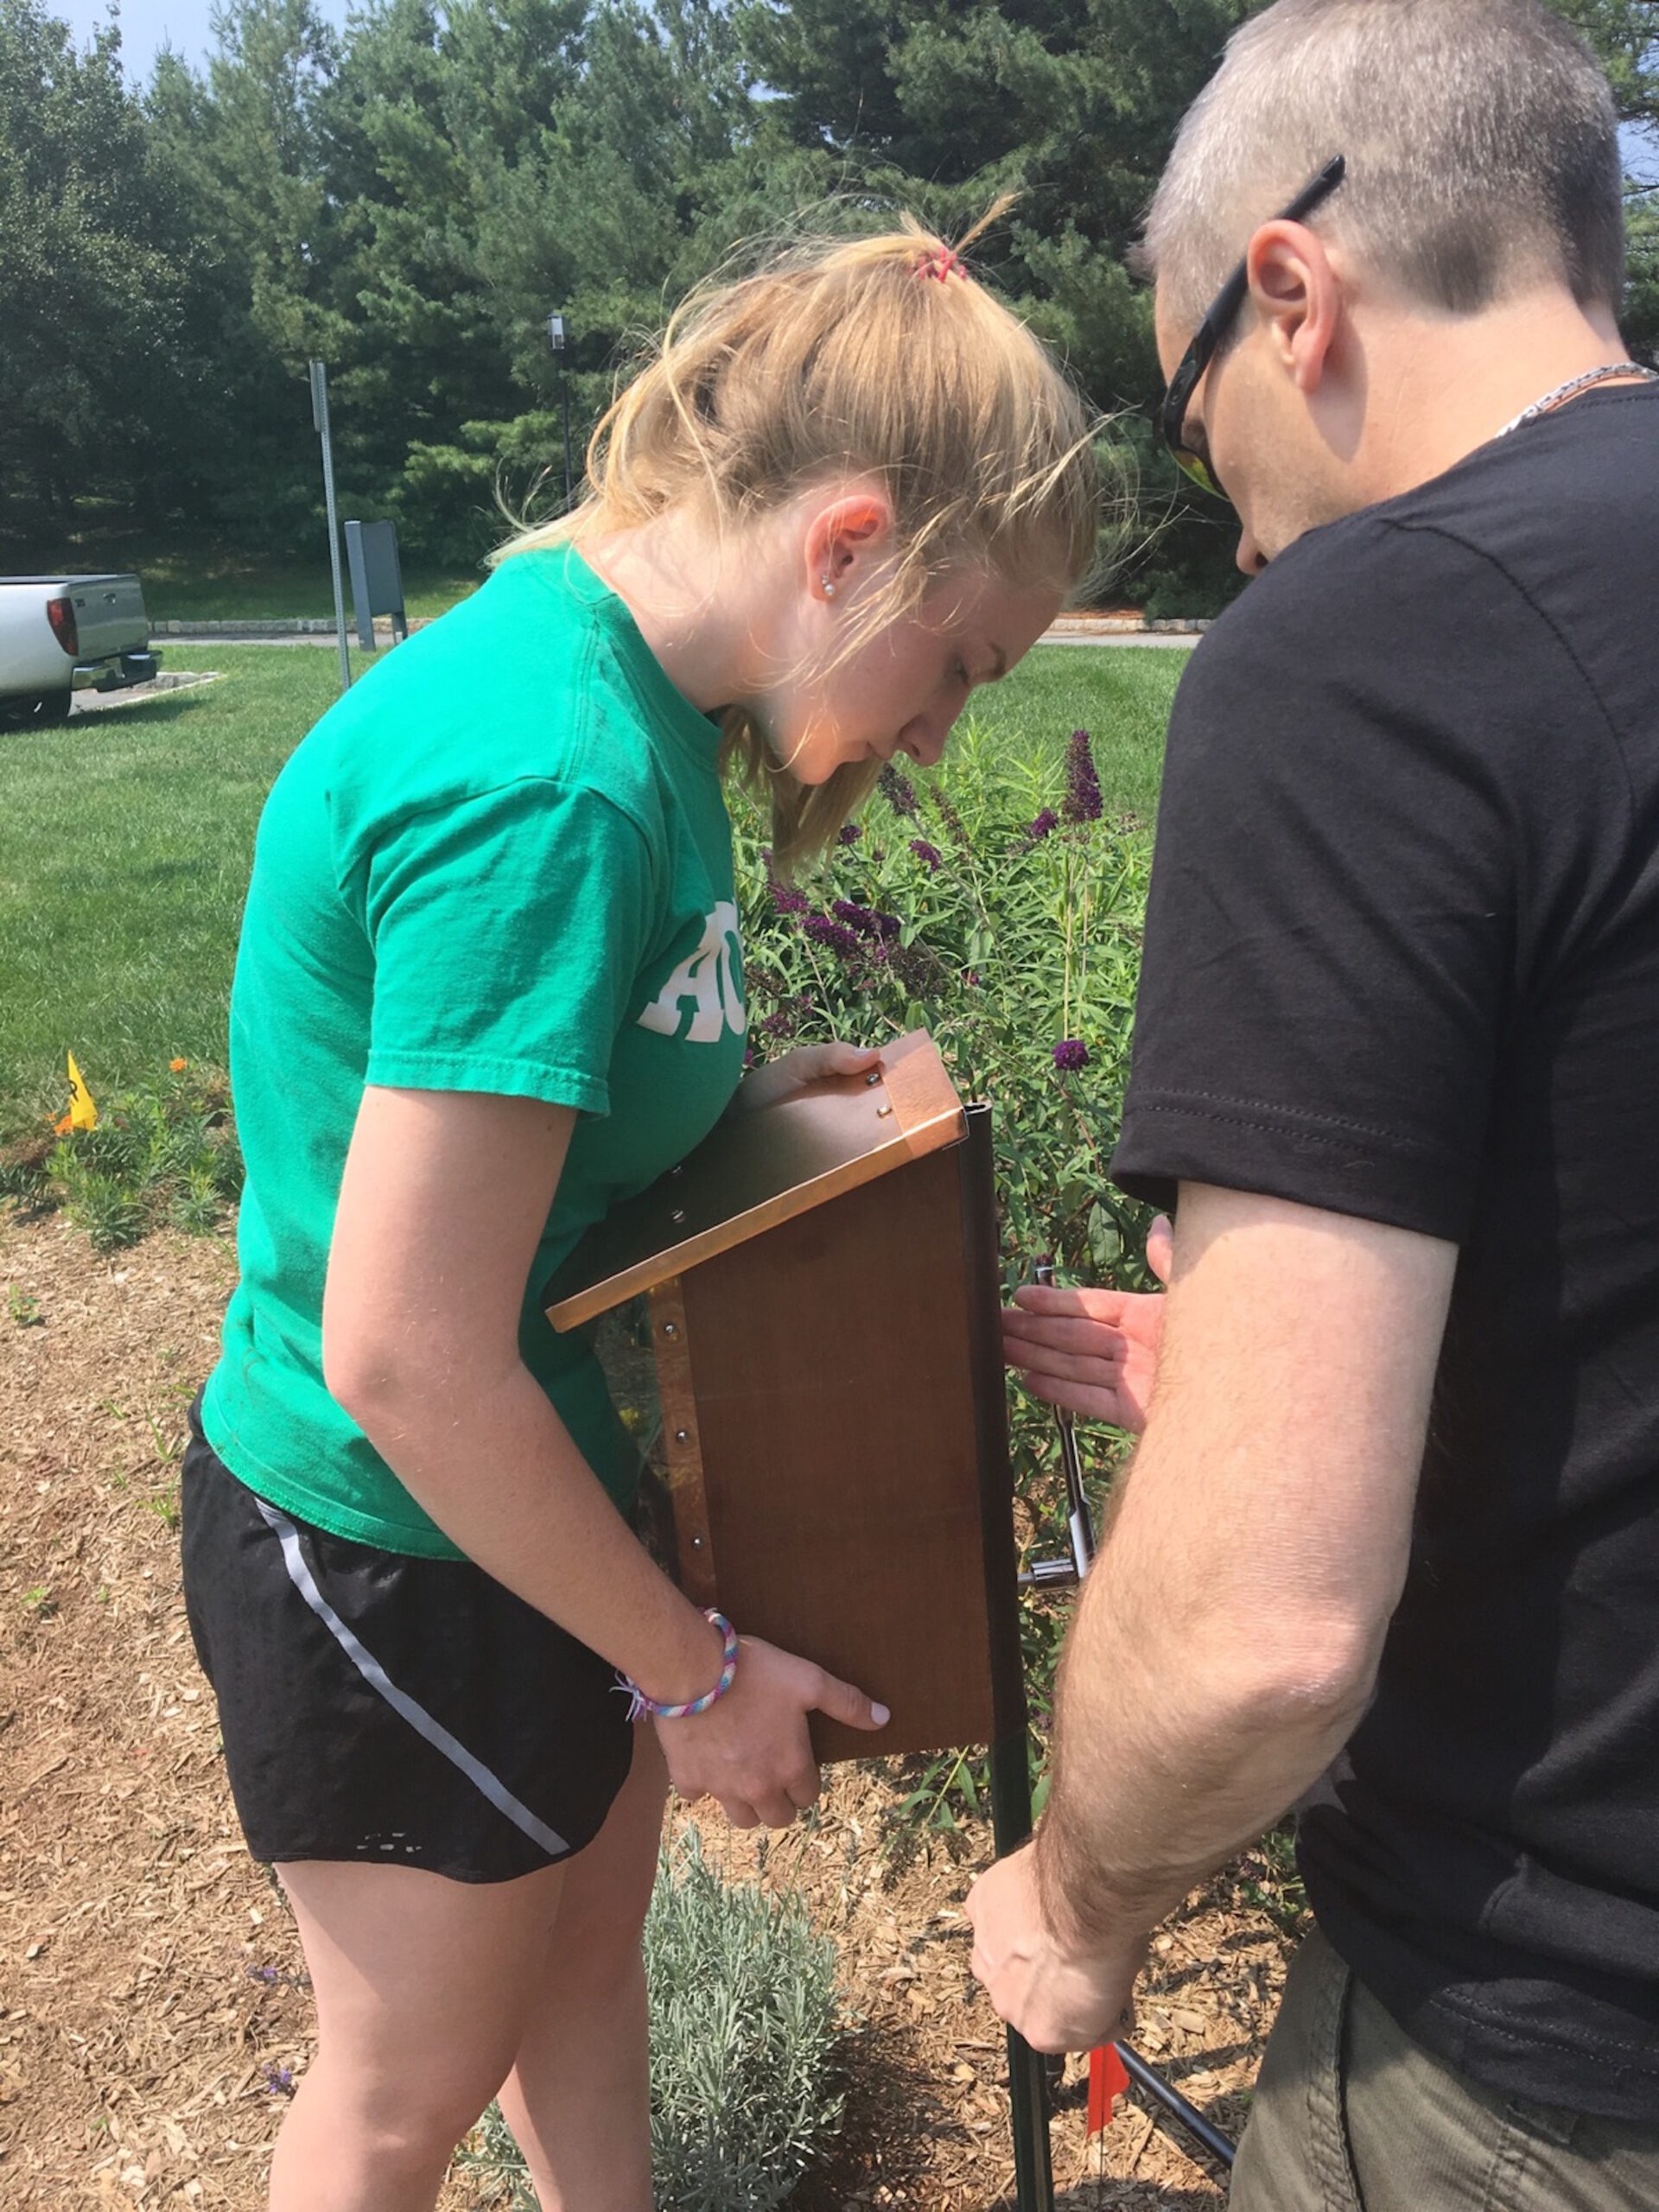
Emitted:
pixel 556 337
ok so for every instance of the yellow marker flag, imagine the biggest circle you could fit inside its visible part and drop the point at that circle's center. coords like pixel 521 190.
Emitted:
pixel 83 1113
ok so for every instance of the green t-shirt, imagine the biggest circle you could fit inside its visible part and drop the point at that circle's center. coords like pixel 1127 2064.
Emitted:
pixel 502 862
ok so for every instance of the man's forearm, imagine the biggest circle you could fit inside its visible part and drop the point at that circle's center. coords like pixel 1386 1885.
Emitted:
pixel 1169 1758
pixel 1227 1638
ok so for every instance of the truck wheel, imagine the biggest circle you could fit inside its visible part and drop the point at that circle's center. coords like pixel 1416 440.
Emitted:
pixel 45 710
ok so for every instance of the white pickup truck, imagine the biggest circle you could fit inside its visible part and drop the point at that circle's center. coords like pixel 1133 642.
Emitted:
pixel 59 635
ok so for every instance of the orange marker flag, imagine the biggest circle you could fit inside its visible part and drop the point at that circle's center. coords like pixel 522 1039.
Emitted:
pixel 1107 2079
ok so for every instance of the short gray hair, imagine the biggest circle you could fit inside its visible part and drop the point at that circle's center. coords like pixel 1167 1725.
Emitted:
pixel 1481 141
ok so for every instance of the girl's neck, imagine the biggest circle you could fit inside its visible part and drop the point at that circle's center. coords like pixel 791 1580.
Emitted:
pixel 698 599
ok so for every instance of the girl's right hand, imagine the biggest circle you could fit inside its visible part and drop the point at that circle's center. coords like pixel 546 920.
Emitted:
pixel 751 1751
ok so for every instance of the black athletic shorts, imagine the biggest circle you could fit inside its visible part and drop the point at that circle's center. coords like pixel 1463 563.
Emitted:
pixel 408 1712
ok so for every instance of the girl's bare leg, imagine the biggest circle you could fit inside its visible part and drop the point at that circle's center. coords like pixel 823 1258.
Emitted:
pixel 423 1990
pixel 578 2097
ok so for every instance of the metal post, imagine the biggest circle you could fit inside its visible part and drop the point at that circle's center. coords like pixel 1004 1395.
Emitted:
pixel 557 331
pixel 1033 2171
pixel 1010 1729
pixel 1059 1573
pixel 320 420
pixel 564 396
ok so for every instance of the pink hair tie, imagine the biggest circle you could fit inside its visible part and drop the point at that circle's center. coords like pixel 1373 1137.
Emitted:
pixel 940 262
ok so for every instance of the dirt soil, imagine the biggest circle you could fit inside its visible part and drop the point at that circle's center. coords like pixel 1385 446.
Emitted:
pixel 153 2012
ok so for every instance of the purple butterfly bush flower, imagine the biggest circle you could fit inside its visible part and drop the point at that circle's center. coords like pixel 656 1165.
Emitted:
pixel 898 789
pixel 930 855
pixel 1082 799
pixel 1070 1055
pixel 952 819
pixel 865 920
pixel 786 899
pixel 836 936
pixel 1045 822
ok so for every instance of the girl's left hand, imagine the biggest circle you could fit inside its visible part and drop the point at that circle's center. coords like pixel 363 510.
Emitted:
pixel 766 1085
pixel 1093 1352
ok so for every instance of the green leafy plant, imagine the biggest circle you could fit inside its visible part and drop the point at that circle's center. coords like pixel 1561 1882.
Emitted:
pixel 22 1308
pixel 167 1155
pixel 744 2020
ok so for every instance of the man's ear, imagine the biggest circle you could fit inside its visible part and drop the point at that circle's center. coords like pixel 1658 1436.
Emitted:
pixel 1297 296
pixel 845 533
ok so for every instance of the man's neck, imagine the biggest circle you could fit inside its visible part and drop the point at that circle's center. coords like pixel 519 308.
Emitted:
pixel 1447 384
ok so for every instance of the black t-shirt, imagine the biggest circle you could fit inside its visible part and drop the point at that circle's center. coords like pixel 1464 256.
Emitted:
pixel 1402 963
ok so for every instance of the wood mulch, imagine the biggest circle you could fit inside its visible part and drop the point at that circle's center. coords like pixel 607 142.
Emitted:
pixel 153 2012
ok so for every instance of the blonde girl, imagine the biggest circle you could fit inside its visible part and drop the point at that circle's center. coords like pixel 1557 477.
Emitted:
pixel 489 982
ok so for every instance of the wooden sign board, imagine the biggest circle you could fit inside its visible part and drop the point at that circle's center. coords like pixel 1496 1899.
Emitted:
pixel 823 1296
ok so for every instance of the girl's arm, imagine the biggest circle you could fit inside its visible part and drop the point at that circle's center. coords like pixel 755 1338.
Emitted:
pixel 1092 1353
pixel 442 1205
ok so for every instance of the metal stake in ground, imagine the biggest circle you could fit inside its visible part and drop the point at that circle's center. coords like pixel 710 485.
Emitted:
pixel 320 419
pixel 1046 1574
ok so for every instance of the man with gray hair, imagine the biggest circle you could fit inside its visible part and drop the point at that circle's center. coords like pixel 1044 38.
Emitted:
pixel 1390 1545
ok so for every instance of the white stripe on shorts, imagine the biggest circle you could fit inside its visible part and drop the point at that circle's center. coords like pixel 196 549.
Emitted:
pixel 400 1701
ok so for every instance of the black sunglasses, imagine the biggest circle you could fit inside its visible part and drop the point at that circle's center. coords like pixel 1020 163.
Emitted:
pixel 1215 326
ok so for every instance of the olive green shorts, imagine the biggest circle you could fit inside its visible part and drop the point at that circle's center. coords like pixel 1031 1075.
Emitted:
pixel 1350 2115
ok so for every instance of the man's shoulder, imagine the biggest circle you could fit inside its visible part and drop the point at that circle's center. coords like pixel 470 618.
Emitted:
pixel 1343 588
pixel 1534 531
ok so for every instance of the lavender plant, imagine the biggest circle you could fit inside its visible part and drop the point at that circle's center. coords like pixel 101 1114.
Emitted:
pixel 744 2022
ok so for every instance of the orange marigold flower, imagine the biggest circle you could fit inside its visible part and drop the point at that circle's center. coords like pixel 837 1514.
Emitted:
pixel 178 1067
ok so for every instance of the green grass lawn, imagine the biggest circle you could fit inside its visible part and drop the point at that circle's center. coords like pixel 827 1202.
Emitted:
pixel 224 587
pixel 125 840
pixel 1120 695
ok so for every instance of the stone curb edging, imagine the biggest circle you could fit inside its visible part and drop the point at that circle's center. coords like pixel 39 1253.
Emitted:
pixel 1125 625
pixel 299 625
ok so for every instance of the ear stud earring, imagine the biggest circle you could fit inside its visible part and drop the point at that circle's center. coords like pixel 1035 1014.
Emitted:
pixel 828 588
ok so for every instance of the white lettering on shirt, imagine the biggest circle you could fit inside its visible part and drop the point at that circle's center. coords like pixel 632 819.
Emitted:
pixel 709 978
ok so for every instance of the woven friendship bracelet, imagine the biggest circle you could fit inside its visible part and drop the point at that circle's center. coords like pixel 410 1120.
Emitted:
pixel 641 1708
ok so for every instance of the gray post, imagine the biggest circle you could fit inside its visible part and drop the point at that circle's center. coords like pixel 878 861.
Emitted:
pixel 557 332
pixel 320 419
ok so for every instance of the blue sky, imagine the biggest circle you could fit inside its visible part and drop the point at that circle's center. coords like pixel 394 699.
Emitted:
pixel 147 25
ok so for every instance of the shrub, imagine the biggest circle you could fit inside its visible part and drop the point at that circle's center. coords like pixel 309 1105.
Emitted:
pixel 166 1158
pixel 998 904
pixel 743 2028
pixel 1001 908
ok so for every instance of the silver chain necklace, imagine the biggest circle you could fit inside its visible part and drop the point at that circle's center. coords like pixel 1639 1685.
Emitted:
pixel 1574 385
